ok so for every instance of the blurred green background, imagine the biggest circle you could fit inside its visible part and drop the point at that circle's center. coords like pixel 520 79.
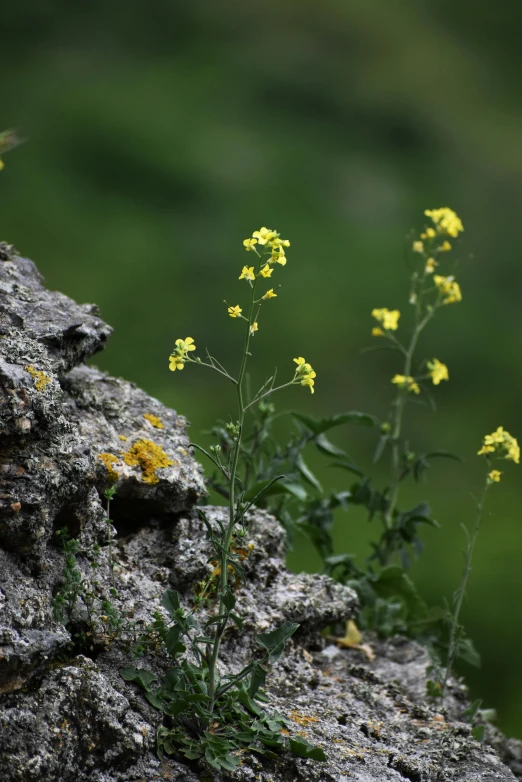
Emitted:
pixel 162 134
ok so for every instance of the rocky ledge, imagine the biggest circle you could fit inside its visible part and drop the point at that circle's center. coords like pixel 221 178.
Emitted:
pixel 67 432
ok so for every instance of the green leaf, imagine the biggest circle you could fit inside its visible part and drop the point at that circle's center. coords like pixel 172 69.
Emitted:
pixel 172 642
pixel 139 675
pixel 346 465
pixel 274 487
pixel 443 455
pixel 466 651
pixel 307 474
pixel 393 581
pixel 324 445
pixel 154 699
pixel 303 749
pixel 470 712
pixel 257 679
pixel 176 707
pixel 433 689
pixel 264 490
pixel 274 641
pixel 229 601
pixel 478 732
pixel 320 425
pixel 171 602
pixel 237 619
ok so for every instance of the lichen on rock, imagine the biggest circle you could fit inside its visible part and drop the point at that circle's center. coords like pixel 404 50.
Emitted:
pixel 66 714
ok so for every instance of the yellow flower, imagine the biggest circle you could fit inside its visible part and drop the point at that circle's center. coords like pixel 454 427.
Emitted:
pixel 418 247
pixel 278 256
pixel 438 371
pixel 445 247
pixel 309 381
pixel 503 444
pixel 277 242
pixel 253 328
pixel 2 164
pixel 266 271
pixel 269 294
pixel 264 235
pixel 446 221
pixel 235 312
pixel 249 244
pixel 429 233
pixel 494 476
pixel 448 288
pixel 431 263
pixel 176 362
pixel 377 332
pixel 304 373
pixel 407 382
pixel 247 273
pixel 184 345
pixel 388 318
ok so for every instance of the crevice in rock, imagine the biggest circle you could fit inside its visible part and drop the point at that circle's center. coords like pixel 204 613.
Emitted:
pixel 67 517
pixel 131 514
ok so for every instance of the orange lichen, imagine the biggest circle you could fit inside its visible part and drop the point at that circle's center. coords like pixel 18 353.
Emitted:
pixel 149 457
pixel 154 420
pixel 302 719
pixel 109 459
pixel 42 380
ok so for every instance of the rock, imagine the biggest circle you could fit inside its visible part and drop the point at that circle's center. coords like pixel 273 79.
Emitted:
pixel 67 435
pixel 71 610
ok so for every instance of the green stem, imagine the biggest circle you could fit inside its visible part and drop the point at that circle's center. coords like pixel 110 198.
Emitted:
pixel 223 576
pixel 461 593
pixel 109 540
pixel 397 418
pixel 267 393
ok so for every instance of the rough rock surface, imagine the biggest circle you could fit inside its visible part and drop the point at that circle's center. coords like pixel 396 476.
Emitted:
pixel 65 712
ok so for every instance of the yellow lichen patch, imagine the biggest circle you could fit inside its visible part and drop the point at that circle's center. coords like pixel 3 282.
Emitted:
pixel 42 380
pixel 122 437
pixel 302 719
pixel 154 420
pixel 149 457
pixel 109 459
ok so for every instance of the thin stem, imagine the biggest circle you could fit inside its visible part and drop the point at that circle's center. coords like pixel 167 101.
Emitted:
pixel 398 412
pixel 211 366
pixel 109 539
pixel 267 393
pixel 223 578
pixel 461 592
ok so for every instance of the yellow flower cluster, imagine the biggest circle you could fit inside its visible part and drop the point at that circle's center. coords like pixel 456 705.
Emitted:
pixel 446 221
pixel 448 288
pixel 388 318
pixel 277 245
pixel 502 444
pixel 304 373
pixel 180 353
pixel 431 263
pixel 406 382
pixel 438 371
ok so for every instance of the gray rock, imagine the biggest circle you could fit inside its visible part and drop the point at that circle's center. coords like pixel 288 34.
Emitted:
pixel 66 714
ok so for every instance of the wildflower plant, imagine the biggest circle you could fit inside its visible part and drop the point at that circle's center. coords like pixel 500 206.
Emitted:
pixel 497 445
pixel 214 716
pixel 389 600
